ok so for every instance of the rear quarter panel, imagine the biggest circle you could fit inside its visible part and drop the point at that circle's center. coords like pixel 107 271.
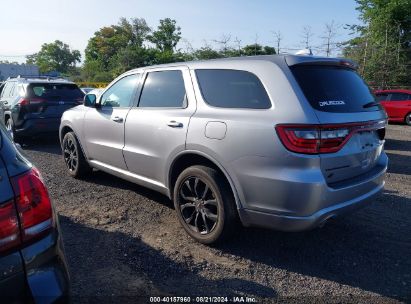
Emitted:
pixel 251 143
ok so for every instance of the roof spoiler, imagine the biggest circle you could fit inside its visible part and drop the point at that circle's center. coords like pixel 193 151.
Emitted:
pixel 312 60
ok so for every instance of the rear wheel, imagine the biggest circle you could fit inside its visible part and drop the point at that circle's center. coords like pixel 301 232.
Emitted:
pixel 73 156
pixel 408 119
pixel 204 204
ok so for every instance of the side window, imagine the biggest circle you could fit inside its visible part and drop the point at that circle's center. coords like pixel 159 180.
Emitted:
pixel 13 91
pixel 120 94
pixel 163 89
pixel 398 96
pixel 232 89
pixel 7 89
pixel 382 96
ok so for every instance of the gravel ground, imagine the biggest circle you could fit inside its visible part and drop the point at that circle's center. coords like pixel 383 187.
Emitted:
pixel 123 243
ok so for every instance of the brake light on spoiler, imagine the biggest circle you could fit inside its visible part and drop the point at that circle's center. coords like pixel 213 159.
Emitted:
pixel 327 138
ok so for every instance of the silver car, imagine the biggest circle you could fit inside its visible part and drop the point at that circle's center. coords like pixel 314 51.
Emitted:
pixel 285 142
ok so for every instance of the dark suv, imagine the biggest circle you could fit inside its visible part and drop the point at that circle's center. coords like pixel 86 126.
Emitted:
pixel 31 106
pixel 32 262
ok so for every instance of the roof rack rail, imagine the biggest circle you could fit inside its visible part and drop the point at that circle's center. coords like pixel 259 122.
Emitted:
pixel 39 77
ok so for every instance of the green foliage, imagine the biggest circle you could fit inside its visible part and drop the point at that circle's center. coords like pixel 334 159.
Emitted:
pixel 131 44
pixel 382 46
pixel 55 56
pixel 257 49
pixel 167 35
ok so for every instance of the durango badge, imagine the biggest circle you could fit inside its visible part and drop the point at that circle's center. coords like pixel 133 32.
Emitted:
pixel 331 103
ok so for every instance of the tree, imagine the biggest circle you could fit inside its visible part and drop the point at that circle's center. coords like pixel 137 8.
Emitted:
pixel 382 45
pixel 56 56
pixel 167 35
pixel 108 41
pixel 307 34
pixel 330 32
pixel 257 49
pixel 278 38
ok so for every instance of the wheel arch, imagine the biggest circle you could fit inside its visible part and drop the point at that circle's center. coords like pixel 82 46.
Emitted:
pixel 406 115
pixel 191 158
pixel 66 129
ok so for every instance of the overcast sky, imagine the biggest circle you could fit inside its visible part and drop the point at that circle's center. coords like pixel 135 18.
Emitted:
pixel 26 24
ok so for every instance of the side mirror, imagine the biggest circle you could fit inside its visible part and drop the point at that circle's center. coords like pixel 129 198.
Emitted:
pixel 90 100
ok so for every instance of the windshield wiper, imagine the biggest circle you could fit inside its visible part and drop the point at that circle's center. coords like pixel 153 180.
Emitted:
pixel 371 104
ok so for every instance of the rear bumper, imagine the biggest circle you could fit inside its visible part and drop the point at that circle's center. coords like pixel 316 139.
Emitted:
pixel 303 206
pixel 38 126
pixel 46 270
pixel 37 271
pixel 301 223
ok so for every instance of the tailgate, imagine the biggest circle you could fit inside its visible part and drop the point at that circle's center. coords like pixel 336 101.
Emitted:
pixel 341 100
pixel 52 99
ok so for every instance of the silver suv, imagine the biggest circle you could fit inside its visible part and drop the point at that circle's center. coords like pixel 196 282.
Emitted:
pixel 285 142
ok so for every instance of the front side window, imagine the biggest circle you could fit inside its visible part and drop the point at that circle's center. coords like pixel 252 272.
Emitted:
pixel 382 96
pixel 120 94
pixel 232 89
pixel 164 89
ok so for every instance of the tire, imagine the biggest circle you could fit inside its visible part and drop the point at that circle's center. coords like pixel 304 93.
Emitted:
pixel 197 206
pixel 408 119
pixel 76 163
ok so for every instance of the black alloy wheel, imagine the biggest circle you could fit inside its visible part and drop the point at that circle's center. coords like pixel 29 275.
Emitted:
pixel 198 205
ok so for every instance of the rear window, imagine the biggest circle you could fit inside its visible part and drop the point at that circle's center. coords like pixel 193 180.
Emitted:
pixel 334 89
pixel 232 89
pixel 53 91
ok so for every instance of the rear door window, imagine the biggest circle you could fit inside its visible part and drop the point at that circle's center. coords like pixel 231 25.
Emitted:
pixel 55 91
pixel 334 89
pixel 232 89
pixel 163 89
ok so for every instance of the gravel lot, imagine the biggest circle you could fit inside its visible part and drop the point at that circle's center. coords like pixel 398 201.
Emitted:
pixel 124 241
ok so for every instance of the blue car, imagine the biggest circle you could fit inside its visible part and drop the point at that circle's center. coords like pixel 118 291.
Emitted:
pixel 32 262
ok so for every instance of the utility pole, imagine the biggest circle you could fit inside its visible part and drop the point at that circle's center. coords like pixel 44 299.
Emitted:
pixel 238 42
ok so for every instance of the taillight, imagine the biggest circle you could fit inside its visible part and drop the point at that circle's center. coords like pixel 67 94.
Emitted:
pixel 315 139
pixel 33 204
pixel 9 226
pixel 31 101
pixel 23 102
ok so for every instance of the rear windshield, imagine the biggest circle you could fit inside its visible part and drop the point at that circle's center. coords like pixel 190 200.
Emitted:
pixel 334 89
pixel 54 91
pixel 232 89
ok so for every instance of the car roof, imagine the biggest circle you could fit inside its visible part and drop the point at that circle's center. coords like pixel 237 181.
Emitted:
pixel 40 79
pixel 277 59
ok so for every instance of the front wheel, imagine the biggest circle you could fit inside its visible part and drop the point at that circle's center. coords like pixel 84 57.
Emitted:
pixel 408 119
pixel 73 156
pixel 204 204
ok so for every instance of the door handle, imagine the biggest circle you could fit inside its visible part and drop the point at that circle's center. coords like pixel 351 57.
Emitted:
pixel 175 124
pixel 117 119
